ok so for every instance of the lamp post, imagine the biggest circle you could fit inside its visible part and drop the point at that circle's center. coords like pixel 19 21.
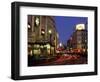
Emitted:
pixel 50 32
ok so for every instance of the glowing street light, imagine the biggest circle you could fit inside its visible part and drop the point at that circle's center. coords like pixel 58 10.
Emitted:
pixel 42 32
pixel 50 31
pixel 60 44
pixel 29 26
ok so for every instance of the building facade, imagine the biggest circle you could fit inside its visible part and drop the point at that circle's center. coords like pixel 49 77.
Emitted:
pixel 42 36
pixel 78 40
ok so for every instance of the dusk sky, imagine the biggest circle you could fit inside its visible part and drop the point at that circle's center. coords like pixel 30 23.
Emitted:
pixel 66 25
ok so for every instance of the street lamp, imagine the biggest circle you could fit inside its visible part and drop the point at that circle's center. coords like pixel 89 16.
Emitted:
pixel 42 31
pixel 29 26
pixel 60 44
pixel 50 32
pixel 43 34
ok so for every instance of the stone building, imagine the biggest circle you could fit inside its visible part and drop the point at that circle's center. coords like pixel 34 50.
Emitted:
pixel 42 36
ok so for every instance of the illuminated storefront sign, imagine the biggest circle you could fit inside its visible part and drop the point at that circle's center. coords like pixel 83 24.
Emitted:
pixel 80 26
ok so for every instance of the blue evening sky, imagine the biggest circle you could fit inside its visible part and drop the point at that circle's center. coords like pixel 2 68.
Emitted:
pixel 66 25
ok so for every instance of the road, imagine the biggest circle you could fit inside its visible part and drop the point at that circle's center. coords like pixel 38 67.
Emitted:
pixel 65 59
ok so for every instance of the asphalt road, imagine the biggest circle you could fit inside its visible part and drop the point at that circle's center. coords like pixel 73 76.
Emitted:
pixel 65 59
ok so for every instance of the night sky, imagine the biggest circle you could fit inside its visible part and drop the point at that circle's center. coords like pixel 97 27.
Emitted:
pixel 66 25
